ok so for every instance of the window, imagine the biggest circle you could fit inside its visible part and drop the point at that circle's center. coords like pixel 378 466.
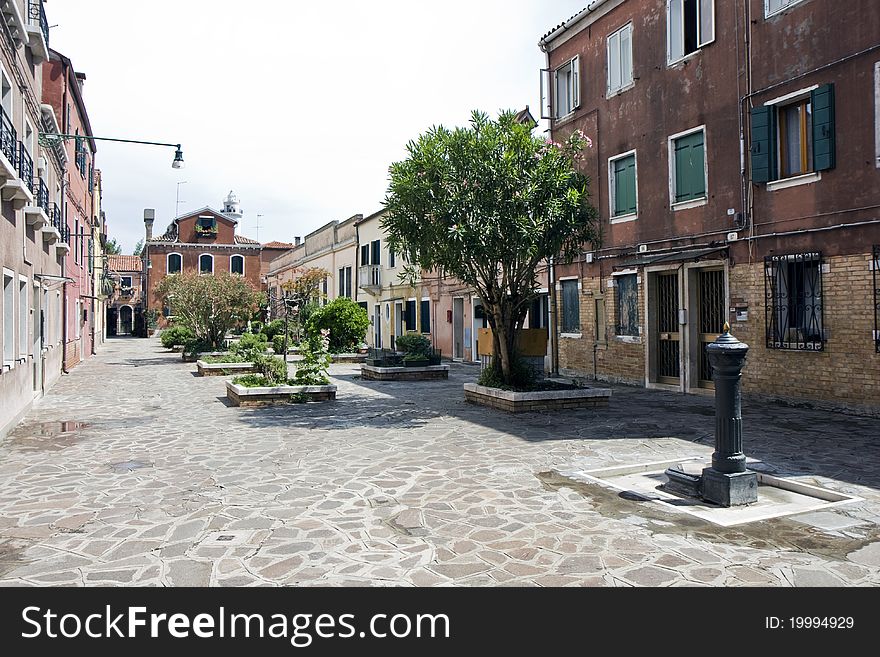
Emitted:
pixel 76 241
pixel 410 315
pixel 236 265
pixel 794 135
pixel 391 257
pixel 365 254
pixel 206 225
pixel 8 318
pixel 425 316
pixel 775 6
pixel 690 25
pixel 5 94
pixel 91 256
pixel 206 263
pixel 567 85
pixel 175 263
pixel 622 182
pixel 793 288
pixel 571 309
pixel 620 61
pixel 125 283
pixel 626 303
pixel 345 282
pixel 376 253
pixel 599 327
pixel 77 318
pixel 22 317
pixel 688 167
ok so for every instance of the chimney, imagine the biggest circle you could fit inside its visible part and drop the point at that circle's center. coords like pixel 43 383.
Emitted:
pixel 149 218
pixel 296 241
pixel 81 79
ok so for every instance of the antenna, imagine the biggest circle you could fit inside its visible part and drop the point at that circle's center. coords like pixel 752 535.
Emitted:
pixel 258 226
pixel 178 201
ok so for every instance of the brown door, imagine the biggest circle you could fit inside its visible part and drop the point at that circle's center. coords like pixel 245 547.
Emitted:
pixel 667 332
pixel 710 319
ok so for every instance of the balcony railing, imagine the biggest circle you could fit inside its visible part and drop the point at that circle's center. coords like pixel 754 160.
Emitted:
pixel 370 276
pixel 42 195
pixel 25 167
pixel 8 138
pixel 37 15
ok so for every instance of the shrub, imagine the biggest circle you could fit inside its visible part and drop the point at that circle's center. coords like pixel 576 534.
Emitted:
pixel 250 380
pixel 414 343
pixel 273 369
pixel 346 321
pixel 256 327
pixel 522 376
pixel 226 358
pixel 278 343
pixel 273 328
pixel 195 346
pixel 312 369
pixel 176 336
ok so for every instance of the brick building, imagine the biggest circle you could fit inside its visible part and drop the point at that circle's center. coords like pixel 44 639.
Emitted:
pixel 125 304
pixel 203 241
pixel 735 169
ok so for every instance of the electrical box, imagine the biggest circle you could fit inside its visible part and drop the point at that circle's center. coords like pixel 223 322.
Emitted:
pixel 589 257
pixel 682 316
pixel 732 237
pixel 643 248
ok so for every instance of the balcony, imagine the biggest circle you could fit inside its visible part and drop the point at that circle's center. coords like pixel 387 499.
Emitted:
pixel 53 232
pixel 37 214
pixel 38 31
pixel 14 21
pixel 370 277
pixel 21 191
pixel 8 148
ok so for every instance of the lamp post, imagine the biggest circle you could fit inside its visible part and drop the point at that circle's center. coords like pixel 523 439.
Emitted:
pixel 48 137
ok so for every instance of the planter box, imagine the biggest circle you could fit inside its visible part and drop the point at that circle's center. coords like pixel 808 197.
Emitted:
pixel 224 369
pixel 349 358
pixel 242 396
pixel 422 362
pixel 428 373
pixel 192 359
pixel 547 400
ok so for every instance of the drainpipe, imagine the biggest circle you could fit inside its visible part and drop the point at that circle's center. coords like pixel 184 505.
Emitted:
pixel 554 324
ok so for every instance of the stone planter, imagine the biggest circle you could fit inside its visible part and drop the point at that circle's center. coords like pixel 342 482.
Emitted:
pixel 547 400
pixel 224 369
pixel 268 396
pixel 349 358
pixel 421 362
pixel 427 373
pixel 189 358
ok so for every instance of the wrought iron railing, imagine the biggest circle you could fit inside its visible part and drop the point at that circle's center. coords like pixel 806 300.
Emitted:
pixel 42 195
pixel 25 166
pixel 793 310
pixel 37 15
pixel 8 138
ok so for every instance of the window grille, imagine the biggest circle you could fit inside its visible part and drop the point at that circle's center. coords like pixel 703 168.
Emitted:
pixel 793 293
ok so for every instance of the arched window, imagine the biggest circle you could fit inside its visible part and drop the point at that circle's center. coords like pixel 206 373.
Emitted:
pixel 175 263
pixel 236 265
pixel 206 263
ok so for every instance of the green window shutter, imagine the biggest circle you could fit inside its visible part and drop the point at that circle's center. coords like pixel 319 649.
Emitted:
pixel 425 316
pixel 625 186
pixel 822 100
pixel 763 148
pixel 410 315
pixel 376 255
pixel 690 171
pixel 570 307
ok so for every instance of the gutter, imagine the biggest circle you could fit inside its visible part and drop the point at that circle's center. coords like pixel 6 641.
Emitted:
pixel 567 25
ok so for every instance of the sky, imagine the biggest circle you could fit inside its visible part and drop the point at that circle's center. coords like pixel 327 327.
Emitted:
pixel 298 107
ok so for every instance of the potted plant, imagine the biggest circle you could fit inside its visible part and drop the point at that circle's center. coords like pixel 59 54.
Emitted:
pixel 152 317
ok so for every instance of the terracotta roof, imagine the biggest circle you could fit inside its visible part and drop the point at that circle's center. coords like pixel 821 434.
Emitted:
pixel 278 245
pixel 245 240
pixel 125 263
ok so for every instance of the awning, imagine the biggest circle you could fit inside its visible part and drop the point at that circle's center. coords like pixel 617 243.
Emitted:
pixel 690 255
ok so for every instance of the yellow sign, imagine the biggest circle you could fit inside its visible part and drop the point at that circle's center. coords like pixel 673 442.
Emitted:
pixel 529 342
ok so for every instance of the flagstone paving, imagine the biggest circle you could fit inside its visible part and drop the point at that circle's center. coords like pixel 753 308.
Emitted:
pixel 399 484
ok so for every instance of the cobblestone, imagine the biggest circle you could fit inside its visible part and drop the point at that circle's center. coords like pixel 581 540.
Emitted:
pixel 399 484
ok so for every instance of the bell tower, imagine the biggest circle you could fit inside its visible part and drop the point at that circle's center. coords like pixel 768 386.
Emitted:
pixel 231 206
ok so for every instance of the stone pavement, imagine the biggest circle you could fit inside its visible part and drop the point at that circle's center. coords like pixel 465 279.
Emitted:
pixel 399 484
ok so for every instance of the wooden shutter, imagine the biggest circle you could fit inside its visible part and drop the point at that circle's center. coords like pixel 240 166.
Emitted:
pixel 625 185
pixel 425 316
pixel 575 83
pixel 690 167
pixel 365 254
pixel 823 128
pixel 570 306
pixel 614 63
pixel 410 315
pixel 376 256
pixel 342 282
pixel 546 93
pixel 763 148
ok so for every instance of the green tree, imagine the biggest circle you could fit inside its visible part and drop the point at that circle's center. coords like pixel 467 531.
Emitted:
pixel 138 248
pixel 487 204
pixel 112 247
pixel 209 305
pixel 303 293
pixel 346 321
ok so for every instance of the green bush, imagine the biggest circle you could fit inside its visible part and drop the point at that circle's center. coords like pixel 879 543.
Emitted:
pixel 226 358
pixel 346 321
pixel 312 369
pixel 176 336
pixel 273 369
pixel 273 328
pixel 413 343
pixel 278 343
pixel 522 376
pixel 250 380
pixel 256 327
pixel 194 346
pixel 248 342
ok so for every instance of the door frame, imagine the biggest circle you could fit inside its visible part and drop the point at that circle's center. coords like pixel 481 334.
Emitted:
pixel 692 271
pixel 460 357
pixel 475 301
pixel 650 277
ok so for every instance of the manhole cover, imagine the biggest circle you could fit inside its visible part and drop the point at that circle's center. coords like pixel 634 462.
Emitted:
pixel 129 466
pixel 226 538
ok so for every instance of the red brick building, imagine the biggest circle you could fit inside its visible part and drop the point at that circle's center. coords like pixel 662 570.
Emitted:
pixel 736 169
pixel 203 241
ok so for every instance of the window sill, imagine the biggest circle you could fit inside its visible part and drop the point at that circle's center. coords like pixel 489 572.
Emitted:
pixel 8 365
pixel 624 218
pixel 628 339
pixel 794 181
pixel 571 336
pixel 609 94
pixel 562 120
pixel 687 205
pixel 684 59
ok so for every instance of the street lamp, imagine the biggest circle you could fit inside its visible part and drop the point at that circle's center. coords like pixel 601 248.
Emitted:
pixel 47 137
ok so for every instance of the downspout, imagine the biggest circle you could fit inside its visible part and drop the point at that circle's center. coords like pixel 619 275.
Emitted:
pixel 64 330
pixel 554 323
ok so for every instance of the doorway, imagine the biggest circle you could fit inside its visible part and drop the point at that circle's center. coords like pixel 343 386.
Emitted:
pixel 479 321
pixel 38 324
pixel 126 320
pixel 458 328
pixel 377 326
pixel 710 320
pixel 666 336
pixel 399 325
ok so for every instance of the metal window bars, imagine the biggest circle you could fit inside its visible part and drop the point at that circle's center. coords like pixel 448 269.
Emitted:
pixel 37 14
pixel 25 166
pixel 794 302
pixel 8 138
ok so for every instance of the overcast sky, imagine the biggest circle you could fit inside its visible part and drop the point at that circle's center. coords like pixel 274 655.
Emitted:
pixel 298 107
